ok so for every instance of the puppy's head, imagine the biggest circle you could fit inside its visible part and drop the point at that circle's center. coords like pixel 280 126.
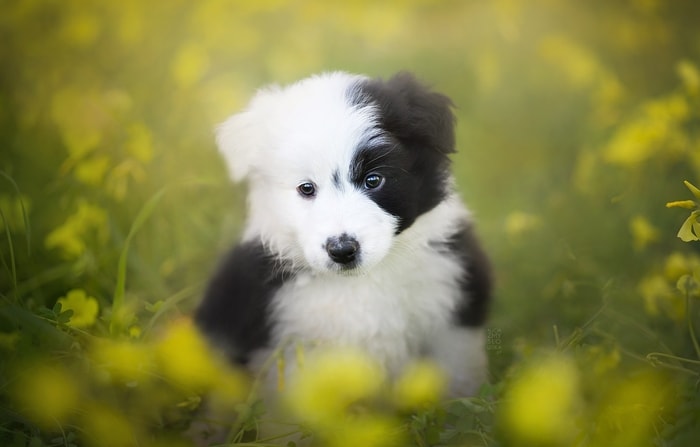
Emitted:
pixel 338 165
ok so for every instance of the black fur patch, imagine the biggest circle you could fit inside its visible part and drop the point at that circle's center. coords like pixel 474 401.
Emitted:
pixel 234 312
pixel 477 280
pixel 416 128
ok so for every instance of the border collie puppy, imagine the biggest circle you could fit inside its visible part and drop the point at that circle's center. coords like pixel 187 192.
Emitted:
pixel 355 235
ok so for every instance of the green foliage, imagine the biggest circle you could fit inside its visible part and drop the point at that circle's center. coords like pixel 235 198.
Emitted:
pixel 577 121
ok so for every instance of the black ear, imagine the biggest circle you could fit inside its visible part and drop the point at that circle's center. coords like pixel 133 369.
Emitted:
pixel 412 112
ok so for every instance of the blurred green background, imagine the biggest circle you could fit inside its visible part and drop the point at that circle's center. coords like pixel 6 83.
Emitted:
pixel 577 122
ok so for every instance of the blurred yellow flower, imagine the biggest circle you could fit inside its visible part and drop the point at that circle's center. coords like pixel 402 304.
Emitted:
pixel 67 239
pixel 46 394
pixel 541 403
pixel 421 384
pixel 643 232
pixel 518 223
pixel 105 427
pixel 630 413
pixel 330 382
pixel 135 332
pixel 190 65
pixel 80 119
pixel 117 183
pixel 660 297
pixel 186 359
pixel 678 264
pixel 184 356
pixel 91 171
pixel 140 142
pixel 70 237
pixel 655 130
pixel 366 430
pixel 123 361
pixel 84 307
pixel 229 388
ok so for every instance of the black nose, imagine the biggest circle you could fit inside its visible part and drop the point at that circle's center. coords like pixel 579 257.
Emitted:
pixel 343 249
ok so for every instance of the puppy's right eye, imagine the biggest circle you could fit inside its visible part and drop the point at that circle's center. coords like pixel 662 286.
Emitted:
pixel 307 189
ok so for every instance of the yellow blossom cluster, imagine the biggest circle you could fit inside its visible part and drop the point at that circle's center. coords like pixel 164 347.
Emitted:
pixel 549 402
pixel 658 289
pixel 339 394
pixel 71 238
pixel 166 374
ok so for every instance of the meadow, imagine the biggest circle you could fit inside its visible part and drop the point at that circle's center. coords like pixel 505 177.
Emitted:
pixel 578 153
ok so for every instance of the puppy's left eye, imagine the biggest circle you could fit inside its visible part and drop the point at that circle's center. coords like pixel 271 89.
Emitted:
pixel 307 189
pixel 373 181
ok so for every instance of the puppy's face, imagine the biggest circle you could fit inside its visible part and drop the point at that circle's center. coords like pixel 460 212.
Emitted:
pixel 339 165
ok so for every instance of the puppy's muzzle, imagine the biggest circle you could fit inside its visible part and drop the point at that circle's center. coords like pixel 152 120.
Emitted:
pixel 343 249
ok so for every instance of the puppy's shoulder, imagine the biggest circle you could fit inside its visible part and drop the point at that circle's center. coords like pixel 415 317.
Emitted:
pixel 234 312
pixel 477 280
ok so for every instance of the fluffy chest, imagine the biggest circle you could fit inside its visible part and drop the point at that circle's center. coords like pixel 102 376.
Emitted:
pixel 391 312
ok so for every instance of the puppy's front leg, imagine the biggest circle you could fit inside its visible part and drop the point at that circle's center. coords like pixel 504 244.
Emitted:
pixel 234 312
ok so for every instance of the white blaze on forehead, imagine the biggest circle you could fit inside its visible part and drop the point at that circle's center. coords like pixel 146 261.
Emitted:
pixel 309 127
pixel 314 128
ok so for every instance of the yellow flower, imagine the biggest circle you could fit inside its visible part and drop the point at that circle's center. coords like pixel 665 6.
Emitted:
pixel 690 230
pixel 47 394
pixel 656 130
pixel 140 142
pixel 423 383
pixel 79 118
pixel 91 171
pixel 541 403
pixel 660 296
pixel 678 264
pixel 643 232
pixel 186 359
pixel 122 360
pixel 105 427
pixel 67 240
pixel 367 430
pixel 84 307
pixel 190 65
pixel 70 236
pixel 519 223
pixel 229 388
pixel 629 413
pixel 332 381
